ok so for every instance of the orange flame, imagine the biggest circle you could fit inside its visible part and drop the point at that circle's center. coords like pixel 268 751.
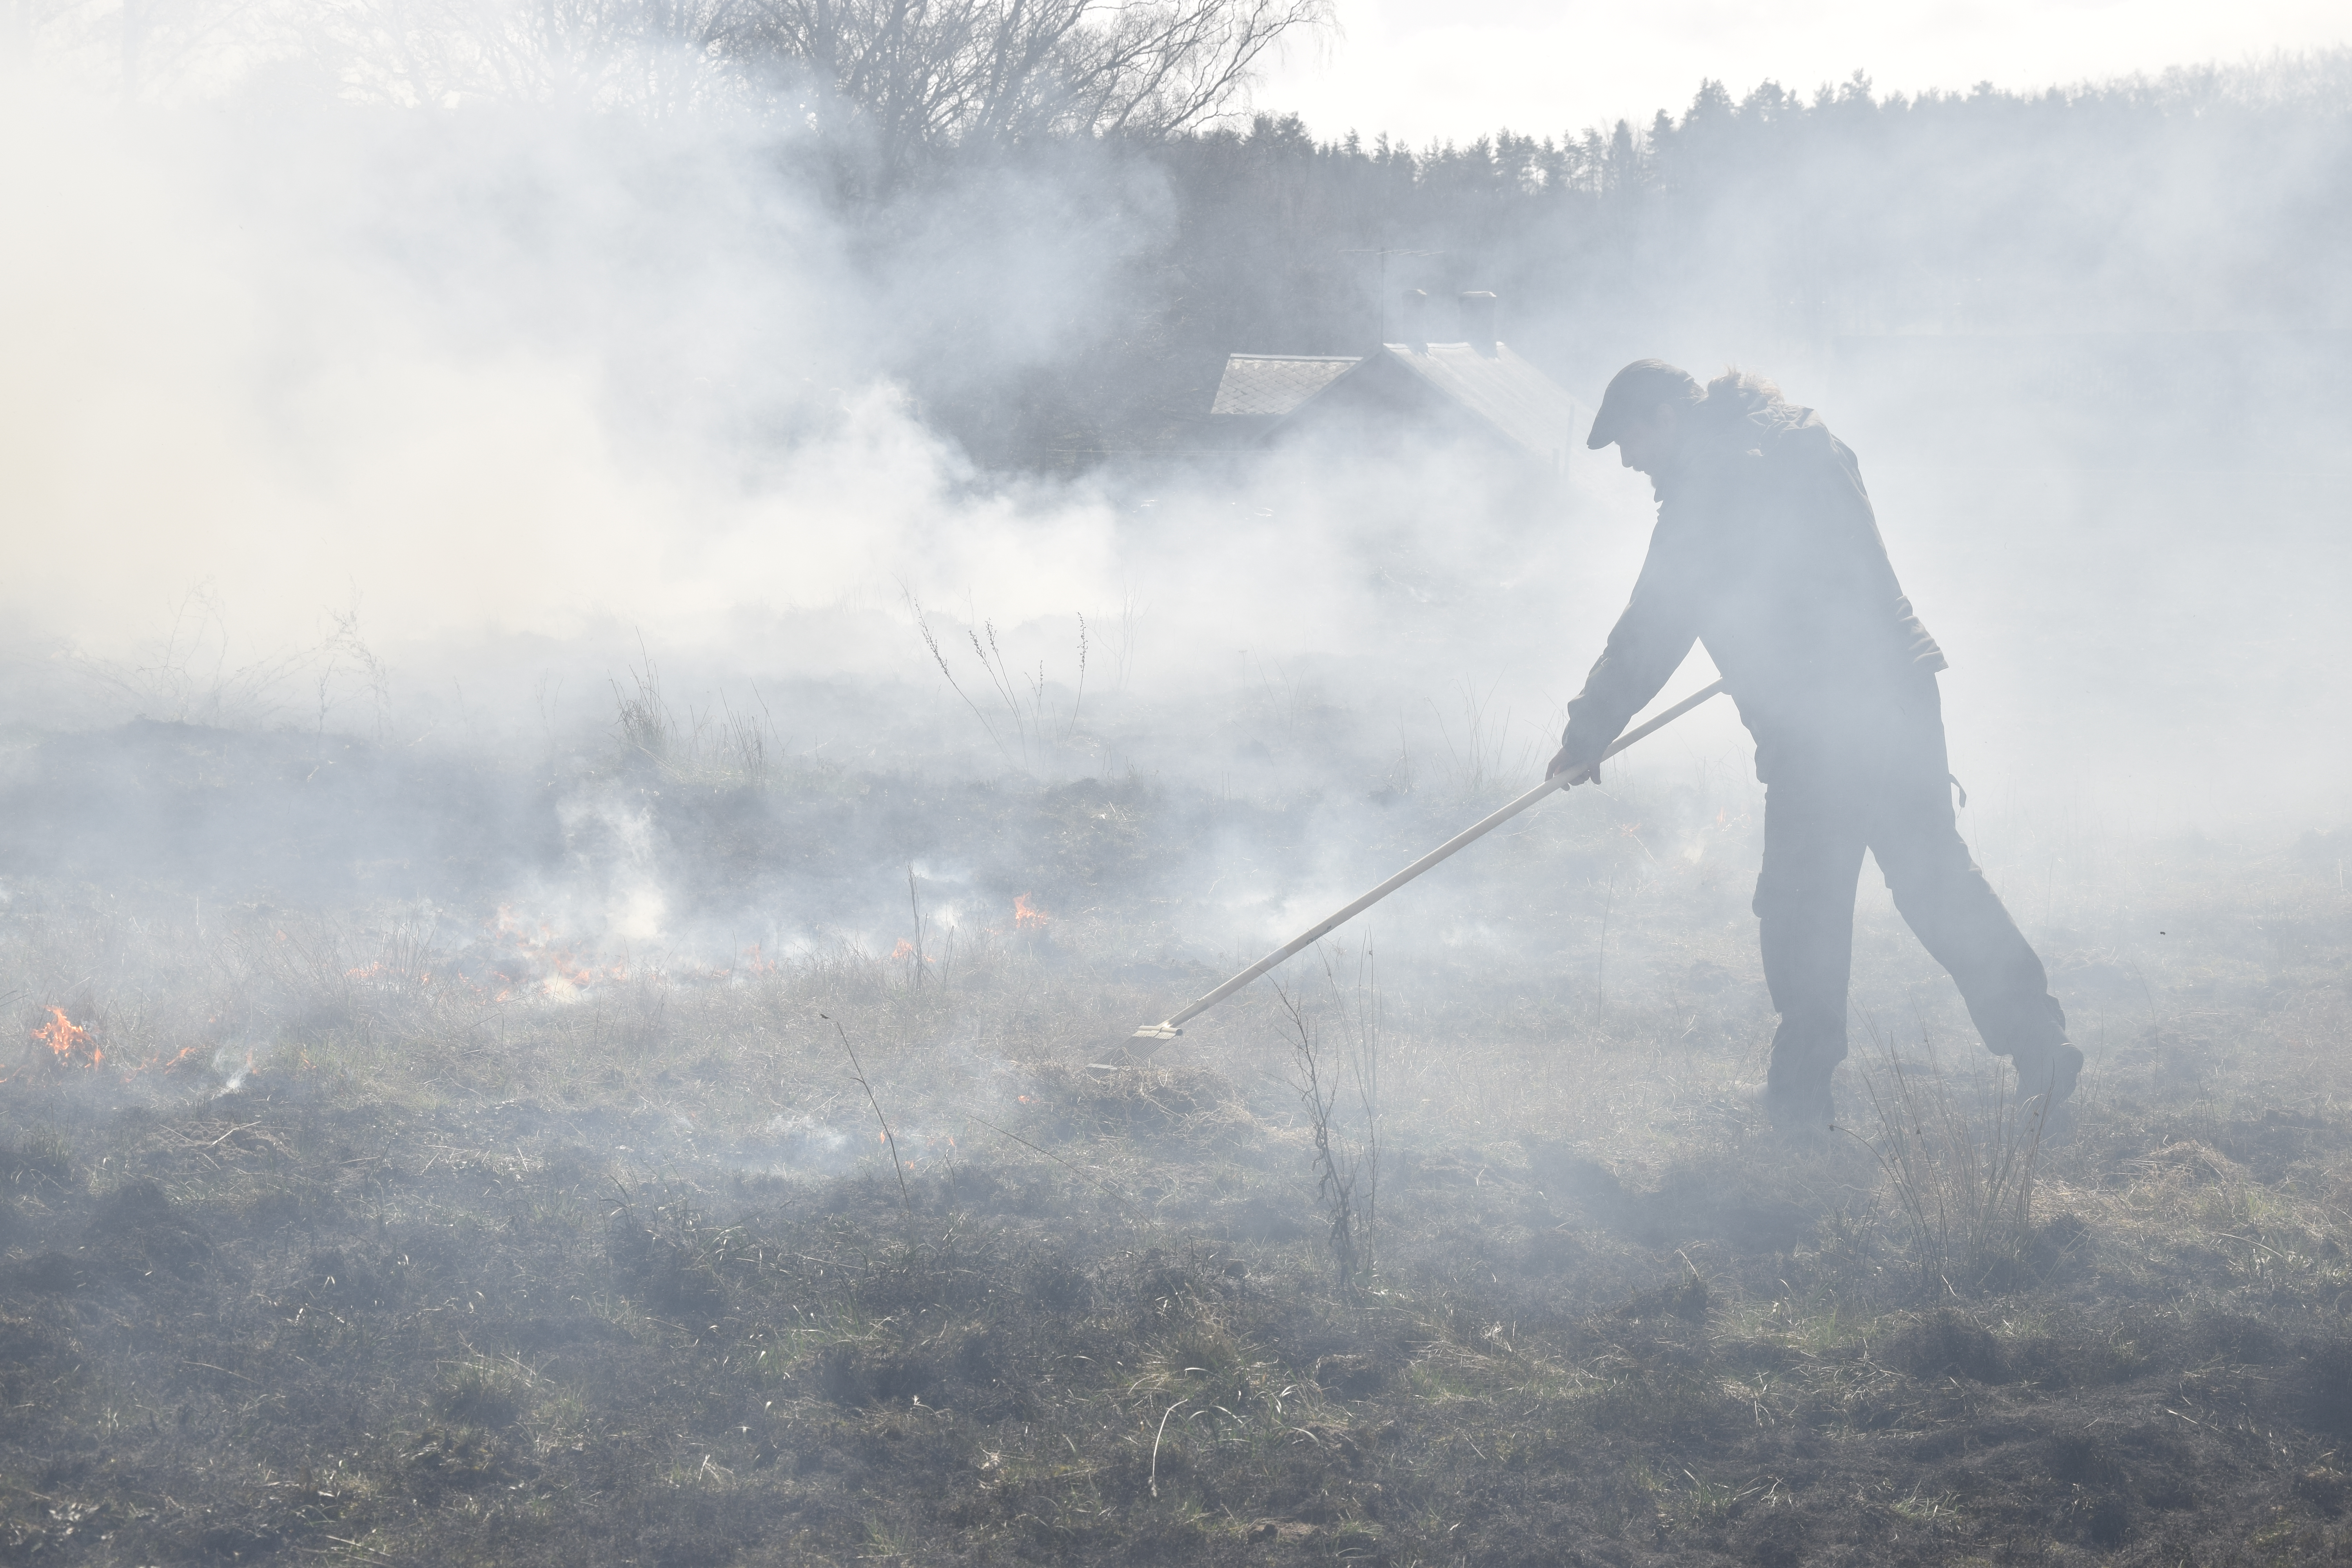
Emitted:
pixel 187 1057
pixel 69 1040
pixel 1025 918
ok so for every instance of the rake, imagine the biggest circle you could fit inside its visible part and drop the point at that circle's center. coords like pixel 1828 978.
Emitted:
pixel 1173 1025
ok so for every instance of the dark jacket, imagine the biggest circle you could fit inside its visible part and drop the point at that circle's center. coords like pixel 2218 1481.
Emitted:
pixel 1768 551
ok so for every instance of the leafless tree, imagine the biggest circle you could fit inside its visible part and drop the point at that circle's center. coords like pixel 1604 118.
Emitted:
pixel 644 54
pixel 900 78
pixel 927 74
pixel 908 77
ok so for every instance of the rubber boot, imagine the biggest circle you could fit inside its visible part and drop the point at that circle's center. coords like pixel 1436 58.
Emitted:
pixel 1799 1102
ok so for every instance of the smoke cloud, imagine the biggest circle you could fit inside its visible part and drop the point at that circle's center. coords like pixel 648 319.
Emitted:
pixel 436 423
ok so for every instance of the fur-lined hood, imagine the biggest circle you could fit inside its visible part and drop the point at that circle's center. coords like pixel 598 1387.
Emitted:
pixel 1742 410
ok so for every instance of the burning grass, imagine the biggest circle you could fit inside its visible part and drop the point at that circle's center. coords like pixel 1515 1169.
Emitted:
pixel 410 1238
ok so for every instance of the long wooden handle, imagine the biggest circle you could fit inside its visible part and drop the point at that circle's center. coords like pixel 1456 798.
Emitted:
pixel 1173 1025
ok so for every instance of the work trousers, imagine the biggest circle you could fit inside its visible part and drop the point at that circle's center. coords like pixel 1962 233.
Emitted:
pixel 1885 787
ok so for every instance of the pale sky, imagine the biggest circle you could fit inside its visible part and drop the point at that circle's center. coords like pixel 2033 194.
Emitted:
pixel 1455 69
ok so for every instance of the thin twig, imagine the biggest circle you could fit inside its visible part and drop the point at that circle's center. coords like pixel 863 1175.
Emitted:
pixel 1109 1192
pixel 859 1074
pixel 916 902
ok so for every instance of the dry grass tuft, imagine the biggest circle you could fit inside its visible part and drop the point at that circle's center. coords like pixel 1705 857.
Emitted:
pixel 1960 1166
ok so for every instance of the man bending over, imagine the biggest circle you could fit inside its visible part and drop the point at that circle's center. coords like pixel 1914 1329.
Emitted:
pixel 1767 551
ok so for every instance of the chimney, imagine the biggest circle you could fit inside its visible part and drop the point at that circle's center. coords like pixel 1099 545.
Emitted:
pixel 1478 321
pixel 1413 321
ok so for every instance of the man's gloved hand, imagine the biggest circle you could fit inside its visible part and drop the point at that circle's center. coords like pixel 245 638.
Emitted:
pixel 1578 753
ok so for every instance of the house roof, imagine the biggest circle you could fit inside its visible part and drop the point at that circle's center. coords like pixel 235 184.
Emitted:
pixel 1264 386
pixel 1521 402
pixel 1497 389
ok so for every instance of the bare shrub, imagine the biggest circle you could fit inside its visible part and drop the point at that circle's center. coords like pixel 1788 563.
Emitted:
pixel 1959 1165
pixel 1037 724
pixel 194 677
pixel 1486 756
pixel 724 748
pixel 1347 1170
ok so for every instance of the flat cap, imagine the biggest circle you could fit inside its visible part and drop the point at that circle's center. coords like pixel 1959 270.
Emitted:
pixel 1634 391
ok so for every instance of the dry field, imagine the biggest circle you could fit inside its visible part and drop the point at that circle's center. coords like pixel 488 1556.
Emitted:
pixel 340 1227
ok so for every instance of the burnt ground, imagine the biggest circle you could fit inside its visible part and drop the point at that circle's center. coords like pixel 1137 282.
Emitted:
pixel 338 1236
pixel 272 1325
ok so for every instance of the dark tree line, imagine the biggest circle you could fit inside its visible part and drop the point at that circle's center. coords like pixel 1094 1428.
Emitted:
pixel 1065 232
pixel 2204 202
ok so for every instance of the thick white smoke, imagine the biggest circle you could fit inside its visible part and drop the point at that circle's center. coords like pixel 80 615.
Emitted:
pixel 509 398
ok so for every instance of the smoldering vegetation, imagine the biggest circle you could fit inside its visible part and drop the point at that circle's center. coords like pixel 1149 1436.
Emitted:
pixel 481 1223
pixel 544 1081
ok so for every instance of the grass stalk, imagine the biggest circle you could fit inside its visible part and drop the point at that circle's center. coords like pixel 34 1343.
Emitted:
pixel 858 1072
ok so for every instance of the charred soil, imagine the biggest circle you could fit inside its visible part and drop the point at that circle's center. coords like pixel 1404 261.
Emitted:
pixel 271 1326
pixel 320 1241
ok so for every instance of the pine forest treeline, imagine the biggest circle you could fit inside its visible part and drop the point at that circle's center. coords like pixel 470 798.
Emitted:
pixel 1065 218
pixel 2212 201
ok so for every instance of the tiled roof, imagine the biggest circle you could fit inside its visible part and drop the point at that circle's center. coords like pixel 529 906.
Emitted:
pixel 1272 384
pixel 1514 398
